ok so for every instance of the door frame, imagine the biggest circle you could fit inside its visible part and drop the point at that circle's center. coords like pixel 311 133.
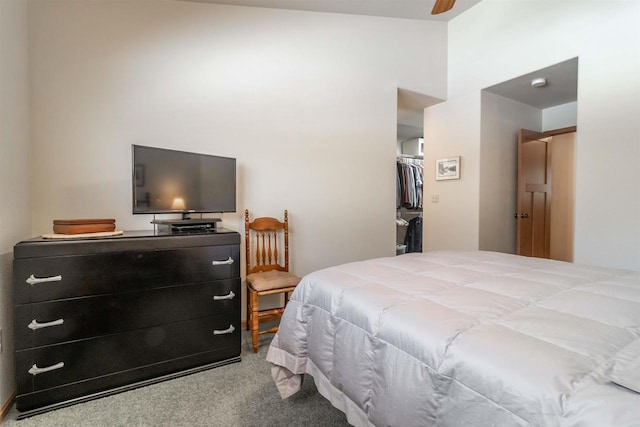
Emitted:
pixel 532 136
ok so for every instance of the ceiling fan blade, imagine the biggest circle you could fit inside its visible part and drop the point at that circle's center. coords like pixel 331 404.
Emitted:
pixel 442 6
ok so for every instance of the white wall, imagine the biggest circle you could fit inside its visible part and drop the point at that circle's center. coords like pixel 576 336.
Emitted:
pixel 606 40
pixel 305 101
pixel 453 222
pixel 500 120
pixel 560 116
pixel 14 168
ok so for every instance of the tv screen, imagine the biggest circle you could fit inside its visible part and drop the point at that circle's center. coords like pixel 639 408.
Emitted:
pixel 170 181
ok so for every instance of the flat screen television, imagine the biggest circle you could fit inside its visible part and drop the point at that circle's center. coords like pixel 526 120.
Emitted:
pixel 170 181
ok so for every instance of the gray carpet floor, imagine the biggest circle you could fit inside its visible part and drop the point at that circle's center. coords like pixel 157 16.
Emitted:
pixel 239 394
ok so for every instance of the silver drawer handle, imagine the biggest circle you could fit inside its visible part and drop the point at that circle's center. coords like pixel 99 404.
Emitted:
pixel 230 295
pixel 225 262
pixel 32 280
pixel 35 370
pixel 226 331
pixel 37 325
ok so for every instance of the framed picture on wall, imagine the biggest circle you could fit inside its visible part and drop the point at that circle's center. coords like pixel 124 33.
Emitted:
pixel 448 168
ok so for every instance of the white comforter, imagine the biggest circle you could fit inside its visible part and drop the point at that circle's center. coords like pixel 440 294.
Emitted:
pixel 466 338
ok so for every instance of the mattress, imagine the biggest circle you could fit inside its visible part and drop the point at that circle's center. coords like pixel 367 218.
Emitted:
pixel 466 339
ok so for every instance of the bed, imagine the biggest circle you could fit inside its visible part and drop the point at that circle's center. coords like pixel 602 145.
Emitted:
pixel 466 339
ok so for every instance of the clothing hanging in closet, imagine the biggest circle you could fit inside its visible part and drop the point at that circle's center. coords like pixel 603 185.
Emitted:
pixel 409 184
pixel 413 239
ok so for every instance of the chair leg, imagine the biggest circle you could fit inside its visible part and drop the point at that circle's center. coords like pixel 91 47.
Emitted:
pixel 254 320
pixel 248 312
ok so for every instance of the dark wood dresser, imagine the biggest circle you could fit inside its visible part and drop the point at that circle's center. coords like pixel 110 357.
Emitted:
pixel 98 316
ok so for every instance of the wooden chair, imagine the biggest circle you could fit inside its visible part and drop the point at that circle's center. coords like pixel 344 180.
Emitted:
pixel 266 275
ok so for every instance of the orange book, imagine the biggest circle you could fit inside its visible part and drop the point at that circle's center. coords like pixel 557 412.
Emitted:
pixel 77 226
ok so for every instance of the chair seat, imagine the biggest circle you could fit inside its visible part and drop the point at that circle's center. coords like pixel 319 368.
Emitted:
pixel 270 280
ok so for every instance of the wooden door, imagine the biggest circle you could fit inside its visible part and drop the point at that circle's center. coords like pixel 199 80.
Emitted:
pixel 562 197
pixel 534 194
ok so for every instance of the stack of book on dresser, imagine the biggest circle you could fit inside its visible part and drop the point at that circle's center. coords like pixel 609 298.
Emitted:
pixel 83 228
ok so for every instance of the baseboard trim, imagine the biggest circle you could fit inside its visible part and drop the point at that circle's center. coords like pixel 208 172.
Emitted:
pixel 7 406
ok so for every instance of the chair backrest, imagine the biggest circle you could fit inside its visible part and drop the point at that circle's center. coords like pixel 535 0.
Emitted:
pixel 266 243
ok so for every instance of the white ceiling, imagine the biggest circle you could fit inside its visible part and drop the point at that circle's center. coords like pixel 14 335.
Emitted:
pixel 409 9
pixel 561 88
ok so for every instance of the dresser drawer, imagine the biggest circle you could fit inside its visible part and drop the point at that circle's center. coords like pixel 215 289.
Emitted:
pixel 81 360
pixel 131 379
pixel 50 278
pixel 47 323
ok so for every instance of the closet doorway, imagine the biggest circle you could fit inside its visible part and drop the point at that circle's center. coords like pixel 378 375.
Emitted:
pixel 410 169
pixel 409 202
